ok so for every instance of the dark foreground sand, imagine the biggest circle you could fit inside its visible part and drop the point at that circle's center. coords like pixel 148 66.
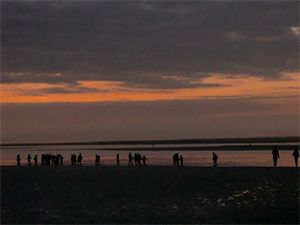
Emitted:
pixel 158 195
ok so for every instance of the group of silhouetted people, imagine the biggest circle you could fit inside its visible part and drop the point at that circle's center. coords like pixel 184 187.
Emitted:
pixel 49 159
pixel 276 156
pixel 137 159
pixel 76 160
pixel 177 159
pixel 46 159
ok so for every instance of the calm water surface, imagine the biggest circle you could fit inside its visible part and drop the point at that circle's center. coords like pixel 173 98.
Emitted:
pixel 155 158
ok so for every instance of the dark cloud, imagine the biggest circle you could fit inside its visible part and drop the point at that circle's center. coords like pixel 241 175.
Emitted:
pixel 138 43
pixel 70 90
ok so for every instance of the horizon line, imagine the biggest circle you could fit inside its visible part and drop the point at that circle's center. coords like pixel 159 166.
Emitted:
pixel 269 139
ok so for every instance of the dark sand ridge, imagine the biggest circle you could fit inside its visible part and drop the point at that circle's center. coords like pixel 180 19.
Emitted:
pixel 158 195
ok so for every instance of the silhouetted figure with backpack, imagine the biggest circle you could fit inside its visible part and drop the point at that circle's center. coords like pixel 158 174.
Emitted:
pixel 29 159
pixel 296 156
pixel 276 156
pixel 35 160
pixel 18 160
pixel 215 159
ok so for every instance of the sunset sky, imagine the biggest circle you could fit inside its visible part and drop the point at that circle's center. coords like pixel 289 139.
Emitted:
pixel 139 70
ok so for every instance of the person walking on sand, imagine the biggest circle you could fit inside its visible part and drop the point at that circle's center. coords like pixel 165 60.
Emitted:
pixel 181 160
pixel 135 159
pixel 18 160
pixel 130 163
pixel 139 158
pixel 276 156
pixel 296 156
pixel 215 159
pixel 144 160
pixel 35 160
pixel 118 160
pixel 29 159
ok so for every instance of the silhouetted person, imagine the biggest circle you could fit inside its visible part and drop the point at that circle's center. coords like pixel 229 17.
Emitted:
pixel 130 159
pixel 215 159
pixel 135 159
pixel 18 160
pixel 144 160
pixel 176 159
pixel 73 159
pixel 52 159
pixel 29 159
pixel 139 158
pixel 276 156
pixel 118 159
pixel 79 159
pixel 56 160
pixel 61 158
pixel 35 160
pixel 97 160
pixel 296 156
pixel 181 160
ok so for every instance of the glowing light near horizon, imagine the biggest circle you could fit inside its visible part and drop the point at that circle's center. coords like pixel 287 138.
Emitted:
pixel 87 91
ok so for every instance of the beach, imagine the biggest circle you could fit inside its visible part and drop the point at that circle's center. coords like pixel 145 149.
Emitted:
pixel 149 195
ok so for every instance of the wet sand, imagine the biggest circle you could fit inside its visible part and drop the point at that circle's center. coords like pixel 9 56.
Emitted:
pixel 143 195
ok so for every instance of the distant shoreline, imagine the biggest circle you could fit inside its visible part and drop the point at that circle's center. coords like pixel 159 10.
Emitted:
pixel 194 148
pixel 252 140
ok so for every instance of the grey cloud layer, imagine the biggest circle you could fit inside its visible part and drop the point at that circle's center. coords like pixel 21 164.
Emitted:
pixel 139 42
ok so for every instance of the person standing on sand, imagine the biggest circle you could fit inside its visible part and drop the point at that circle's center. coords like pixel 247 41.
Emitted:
pixel 135 158
pixel 215 159
pixel 118 160
pixel 18 160
pixel 296 156
pixel 61 159
pixel 97 160
pixel 35 160
pixel 176 159
pixel 276 156
pixel 181 160
pixel 29 159
pixel 79 159
pixel 130 163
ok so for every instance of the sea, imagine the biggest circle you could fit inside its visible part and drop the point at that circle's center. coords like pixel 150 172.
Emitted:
pixel 154 154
